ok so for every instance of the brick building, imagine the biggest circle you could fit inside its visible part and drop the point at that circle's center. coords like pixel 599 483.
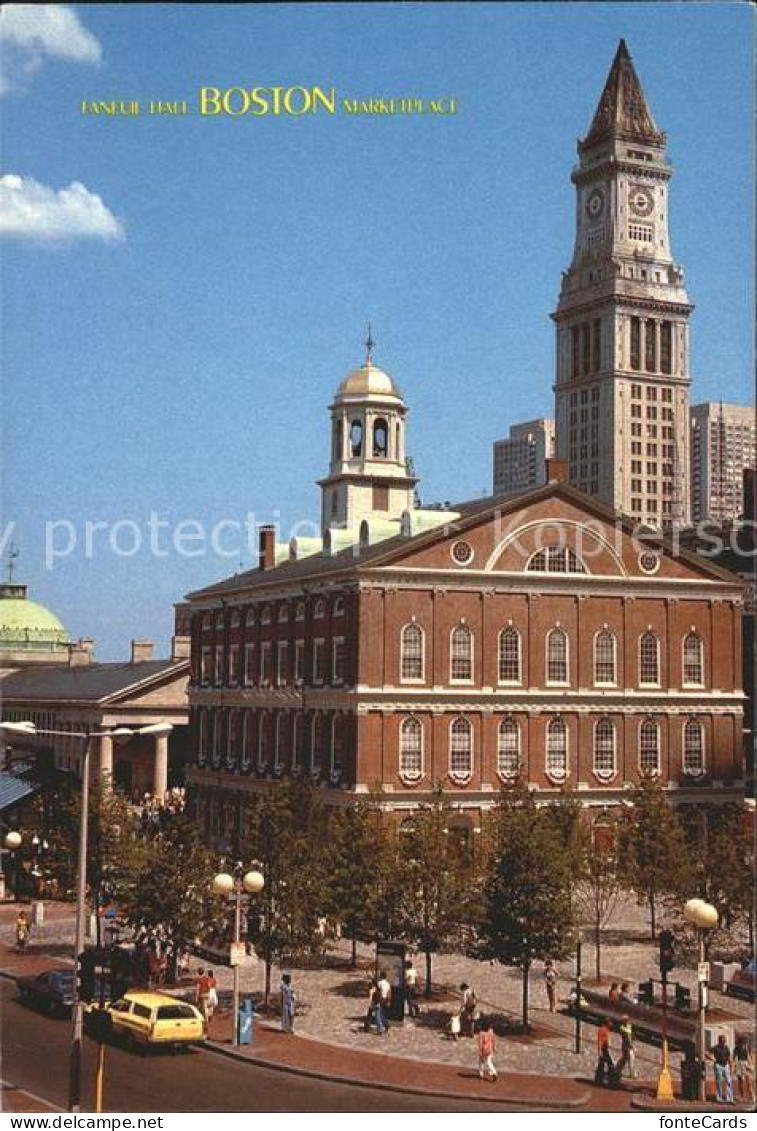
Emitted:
pixel 530 635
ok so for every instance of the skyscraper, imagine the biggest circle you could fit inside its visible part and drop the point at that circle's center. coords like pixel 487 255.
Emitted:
pixel 723 439
pixel 520 459
pixel 622 356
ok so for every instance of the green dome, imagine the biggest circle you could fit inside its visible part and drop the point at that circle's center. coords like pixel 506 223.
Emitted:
pixel 25 625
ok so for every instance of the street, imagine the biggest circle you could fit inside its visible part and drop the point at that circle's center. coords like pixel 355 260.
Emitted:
pixel 35 1056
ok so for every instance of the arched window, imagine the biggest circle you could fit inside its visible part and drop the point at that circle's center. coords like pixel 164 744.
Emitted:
pixel 555 559
pixel 604 657
pixel 509 656
pixel 264 739
pixel 460 750
pixel 249 620
pixel 557 749
pixel 300 611
pixel 219 622
pixel 649 660
pixel 338 440
pixel 693 666
pixel 283 614
pixel 248 731
pixel 356 438
pixel 265 616
pixel 649 747
pixel 693 748
pixel 206 621
pixel 380 439
pixel 508 748
pixel 411 653
pixel 338 610
pixel 604 749
pixel 319 612
pixel 337 744
pixel 461 654
pixel 557 656
pixel 411 749
pixel 235 619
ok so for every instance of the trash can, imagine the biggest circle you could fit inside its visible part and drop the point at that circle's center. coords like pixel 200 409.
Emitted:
pixel 245 1022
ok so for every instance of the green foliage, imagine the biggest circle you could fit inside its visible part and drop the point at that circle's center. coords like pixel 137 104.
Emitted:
pixel 596 890
pixel 358 859
pixel 720 850
pixel 652 858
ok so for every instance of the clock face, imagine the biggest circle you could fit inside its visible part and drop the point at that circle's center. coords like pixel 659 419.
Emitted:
pixel 641 201
pixel 595 204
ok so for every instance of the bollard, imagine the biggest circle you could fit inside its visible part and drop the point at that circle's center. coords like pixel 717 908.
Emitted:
pixel 245 1022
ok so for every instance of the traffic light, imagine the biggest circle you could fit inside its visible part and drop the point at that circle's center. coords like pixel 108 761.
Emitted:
pixel 667 951
pixel 86 976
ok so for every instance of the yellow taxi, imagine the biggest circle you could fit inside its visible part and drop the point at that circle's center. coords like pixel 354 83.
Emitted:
pixel 141 1017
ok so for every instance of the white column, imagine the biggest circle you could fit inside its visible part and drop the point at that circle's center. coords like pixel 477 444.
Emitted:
pixel 160 772
pixel 106 757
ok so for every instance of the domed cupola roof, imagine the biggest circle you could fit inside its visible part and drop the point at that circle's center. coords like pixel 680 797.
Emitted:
pixel 26 625
pixel 369 382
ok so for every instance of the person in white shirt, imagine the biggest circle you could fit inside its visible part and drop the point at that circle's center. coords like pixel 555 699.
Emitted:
pixel 411 990
pixel 385 1000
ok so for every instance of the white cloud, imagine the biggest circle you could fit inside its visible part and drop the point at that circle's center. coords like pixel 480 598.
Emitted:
pixel 32 211
pixel 31 32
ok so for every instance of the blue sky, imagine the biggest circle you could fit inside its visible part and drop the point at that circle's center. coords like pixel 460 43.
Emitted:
pixel 178 357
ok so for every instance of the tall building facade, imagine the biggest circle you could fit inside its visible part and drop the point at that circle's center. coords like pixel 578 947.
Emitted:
pixel 723 446
pixel 622 335
pixel 520 459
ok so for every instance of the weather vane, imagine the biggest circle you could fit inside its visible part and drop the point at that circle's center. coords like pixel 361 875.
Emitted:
pixel 369 346
pixel 13 553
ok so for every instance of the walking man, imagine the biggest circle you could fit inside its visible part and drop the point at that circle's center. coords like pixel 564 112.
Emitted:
pixel 605 1067
pixel 411 990
pixel 287 1004
pixel 550 982
pixel 385 1000
pixel 721 1054
pixel 487 1046
pixel 627 1053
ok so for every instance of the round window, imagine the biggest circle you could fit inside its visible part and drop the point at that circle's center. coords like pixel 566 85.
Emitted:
pixel 462 553
pixel 649 561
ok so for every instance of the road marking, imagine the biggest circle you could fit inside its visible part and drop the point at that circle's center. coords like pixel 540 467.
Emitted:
pixel 31 1095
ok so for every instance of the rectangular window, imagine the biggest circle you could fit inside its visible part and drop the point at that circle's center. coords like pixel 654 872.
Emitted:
pixel 635 343
pixel 249 664
pixel 380 498
pixel 218 669
pixel 596 345
pixel 666 350
pixel 574 348
pixel 282 649
pixel 651 346
pixel 299 661
pixel 318 669
pixel 585 348
pixel 338 655
pixel 205 665
pixel 266 665
pixel 233 664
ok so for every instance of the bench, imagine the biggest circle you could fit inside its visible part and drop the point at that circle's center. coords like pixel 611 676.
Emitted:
pixel 742 985
pixel 645 1019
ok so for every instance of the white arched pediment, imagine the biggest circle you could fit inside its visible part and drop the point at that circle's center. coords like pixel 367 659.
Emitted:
pixel 583 539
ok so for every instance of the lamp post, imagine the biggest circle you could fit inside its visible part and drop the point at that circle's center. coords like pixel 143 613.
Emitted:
pixel 12 841
pixel 704 917
pixel 29 729
pixel 235 887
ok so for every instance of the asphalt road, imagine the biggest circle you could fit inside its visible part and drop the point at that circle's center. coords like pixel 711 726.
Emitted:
pixel 35 1057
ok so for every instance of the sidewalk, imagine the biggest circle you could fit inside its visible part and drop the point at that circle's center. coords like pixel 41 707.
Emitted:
pixel 14 1099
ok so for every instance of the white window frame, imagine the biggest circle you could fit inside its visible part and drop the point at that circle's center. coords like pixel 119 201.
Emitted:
pixel 513 727
pixel 246 760
pixel 282 616
pixel 299 661
pixel 233 665
pixel 319 675
pixel 458 776
pixel 411 776
pixel 658 659
pixel 265 662
pixel 319 609
pixel 316 767
pixel 511 632
pixel 205 661
pixel 338 608
pixel 414 678
pixel 231 757
pixel 282 647
pixel 692 635
pixel 249 665
pixel 265 616
pixel 260 761
pixel 468 679
pixel 299 613
pixel 654 771
pixel 249 619
pixel 551 555
pixel 336 720
pixel 605 631
pixel 338 642
pixel 563 775
pixel 557 629
pixel 702 770
pixel 218 666
pixel 606 774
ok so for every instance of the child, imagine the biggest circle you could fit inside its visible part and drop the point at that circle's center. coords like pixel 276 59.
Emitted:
pixel 486 1048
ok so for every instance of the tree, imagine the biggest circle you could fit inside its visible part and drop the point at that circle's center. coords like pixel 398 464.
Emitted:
pixel 596 891
pixel 172 892
pixel 720 844
pixel 651 847
pixel 437 879
pixel 358 851
pixel 527 905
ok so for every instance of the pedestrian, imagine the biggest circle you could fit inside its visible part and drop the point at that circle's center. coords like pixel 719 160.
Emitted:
pixel 605 1067
pixel 487 1046
pixel 411 990
pixel 721 1055
pixel 287 1004
pixel 627 1051
pixel 202 991
pixel 625 994
pixel 371 1016
pixel 212 996
pixel 614 994
pixel 468 1007
pixel 385 1000
pixel 743 1068
pixel 550 982
pixel 23 927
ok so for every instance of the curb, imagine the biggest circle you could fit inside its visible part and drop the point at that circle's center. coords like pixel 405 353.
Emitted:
pixel 404 1089
pixel 649 1103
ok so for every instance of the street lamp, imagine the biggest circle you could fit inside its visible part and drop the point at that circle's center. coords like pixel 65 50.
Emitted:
pixel 236 886
pixel 28 728
pixel 704 917
pixel 12 841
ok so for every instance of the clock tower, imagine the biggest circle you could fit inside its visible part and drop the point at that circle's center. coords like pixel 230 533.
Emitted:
pixel 622 343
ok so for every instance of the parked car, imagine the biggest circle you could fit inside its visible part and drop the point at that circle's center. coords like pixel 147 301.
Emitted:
pixel 142 1018
pixel 52 990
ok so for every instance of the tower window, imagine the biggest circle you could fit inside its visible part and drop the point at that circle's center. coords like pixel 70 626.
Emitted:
pixel 585 348
pixel 356 438
pixel 574 346
pixel 338 440
pixel 596 346
pixel 380 439
pixel 651 346
pixel 380 498
pixel 635 343
pixel 666 347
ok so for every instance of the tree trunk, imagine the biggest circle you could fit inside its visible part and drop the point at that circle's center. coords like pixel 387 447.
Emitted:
pixel 353 960
pixel 751 933
pixel 597 951
pixel 427 990
pixel 268 964
pixel 652 917
pixel 526 972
